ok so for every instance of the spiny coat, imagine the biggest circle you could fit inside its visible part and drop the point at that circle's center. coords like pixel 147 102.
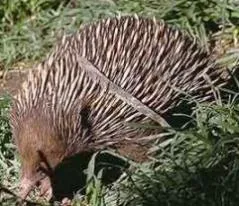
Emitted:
pixel 60 111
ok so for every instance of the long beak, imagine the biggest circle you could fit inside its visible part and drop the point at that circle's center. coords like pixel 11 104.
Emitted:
pixel 26 186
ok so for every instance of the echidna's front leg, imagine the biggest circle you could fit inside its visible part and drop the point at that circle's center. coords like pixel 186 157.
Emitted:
pixel 26 186
pixel 46 188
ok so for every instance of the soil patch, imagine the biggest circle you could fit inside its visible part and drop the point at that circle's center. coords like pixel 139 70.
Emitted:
pixel 11 82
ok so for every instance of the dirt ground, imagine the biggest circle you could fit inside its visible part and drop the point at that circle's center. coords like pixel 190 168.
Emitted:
pixel 11 81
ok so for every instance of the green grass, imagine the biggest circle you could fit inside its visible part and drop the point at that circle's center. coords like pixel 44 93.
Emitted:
pixel 9 165
pixel 195 166
pixel 29 28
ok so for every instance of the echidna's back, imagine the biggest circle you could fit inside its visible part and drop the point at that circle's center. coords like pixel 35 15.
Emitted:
pixel 146 58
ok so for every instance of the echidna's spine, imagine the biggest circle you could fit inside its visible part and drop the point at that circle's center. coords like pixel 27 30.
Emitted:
pixel 146 58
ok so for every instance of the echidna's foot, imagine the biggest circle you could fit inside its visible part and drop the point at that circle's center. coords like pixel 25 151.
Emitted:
pixel 46 189
pixel 66 202
pixel 25 188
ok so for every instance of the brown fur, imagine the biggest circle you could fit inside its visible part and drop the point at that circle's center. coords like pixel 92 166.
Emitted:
pixel 40 150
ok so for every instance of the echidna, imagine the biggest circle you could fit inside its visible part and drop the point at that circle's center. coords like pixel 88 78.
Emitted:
pixel 62 111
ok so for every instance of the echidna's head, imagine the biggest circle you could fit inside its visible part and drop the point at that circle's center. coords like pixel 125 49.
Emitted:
pixel 40 150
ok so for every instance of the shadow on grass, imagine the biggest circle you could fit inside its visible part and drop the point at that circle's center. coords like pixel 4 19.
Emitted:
pixel 70 176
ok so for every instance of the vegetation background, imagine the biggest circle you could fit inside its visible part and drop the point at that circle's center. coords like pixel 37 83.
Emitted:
pixel 195 166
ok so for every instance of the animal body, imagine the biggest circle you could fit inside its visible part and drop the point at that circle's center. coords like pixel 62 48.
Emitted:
pixel 61 111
